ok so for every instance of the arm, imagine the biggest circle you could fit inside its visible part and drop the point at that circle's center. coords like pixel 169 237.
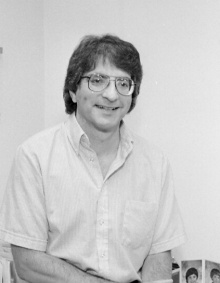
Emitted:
pixel 39 267
pixel 157 267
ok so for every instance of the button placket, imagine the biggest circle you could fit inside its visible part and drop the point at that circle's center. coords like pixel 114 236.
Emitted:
pixel 102 231
pixel 91 159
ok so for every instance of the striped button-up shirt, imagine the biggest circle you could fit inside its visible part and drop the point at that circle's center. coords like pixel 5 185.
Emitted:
pixel 57 201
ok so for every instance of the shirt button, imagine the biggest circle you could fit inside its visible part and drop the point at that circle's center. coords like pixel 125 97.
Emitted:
pixel 91 159
pixel 99 187
pixel 103 255
pixel 101 222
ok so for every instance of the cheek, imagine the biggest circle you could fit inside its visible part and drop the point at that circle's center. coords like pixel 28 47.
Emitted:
pixel 129 104
pixel 82 101
pixel 126 101
pixel 85 99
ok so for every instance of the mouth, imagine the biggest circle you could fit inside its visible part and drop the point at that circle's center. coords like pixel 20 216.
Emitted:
pixel 107 108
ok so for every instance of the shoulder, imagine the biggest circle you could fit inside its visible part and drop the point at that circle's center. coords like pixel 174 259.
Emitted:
pixel 147 148
pixel 145 153
pixel 42 141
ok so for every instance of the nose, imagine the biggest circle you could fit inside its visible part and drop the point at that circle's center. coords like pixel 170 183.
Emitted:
pixel 110 92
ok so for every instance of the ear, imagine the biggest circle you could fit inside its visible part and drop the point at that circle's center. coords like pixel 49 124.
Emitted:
pixel 73 96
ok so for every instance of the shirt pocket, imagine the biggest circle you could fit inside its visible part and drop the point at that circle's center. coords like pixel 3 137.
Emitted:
pixel 138 224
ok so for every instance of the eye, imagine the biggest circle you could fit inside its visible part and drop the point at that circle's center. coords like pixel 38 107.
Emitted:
pixel 97 80
pixel 123 83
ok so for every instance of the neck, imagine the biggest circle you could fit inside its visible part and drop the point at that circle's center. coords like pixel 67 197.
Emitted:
pixel 106 146
pixel 104 142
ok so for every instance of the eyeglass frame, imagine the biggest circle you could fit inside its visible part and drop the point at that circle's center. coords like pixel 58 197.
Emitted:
pixel 129 93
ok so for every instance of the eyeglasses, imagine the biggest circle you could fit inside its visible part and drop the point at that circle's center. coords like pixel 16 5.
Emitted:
pixel 98 82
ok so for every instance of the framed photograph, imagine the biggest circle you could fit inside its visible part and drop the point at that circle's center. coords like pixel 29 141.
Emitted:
pixel 191 271
pixel 212 272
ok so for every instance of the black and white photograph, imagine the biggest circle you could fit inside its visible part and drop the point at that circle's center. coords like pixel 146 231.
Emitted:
pixel 212 272
pixel 109 141
pixel 191 271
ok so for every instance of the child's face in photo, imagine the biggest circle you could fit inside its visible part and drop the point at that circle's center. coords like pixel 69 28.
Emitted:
pixel 192 278
pixel 216 278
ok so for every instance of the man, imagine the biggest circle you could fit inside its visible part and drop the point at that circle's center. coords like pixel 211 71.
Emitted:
pixel 215 275
pixel 192 275
pixel 89 201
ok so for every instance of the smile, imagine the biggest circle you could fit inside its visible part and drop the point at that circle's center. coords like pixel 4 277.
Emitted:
pixel 106 108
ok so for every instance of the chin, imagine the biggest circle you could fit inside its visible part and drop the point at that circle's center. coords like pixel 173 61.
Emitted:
pixel 106 127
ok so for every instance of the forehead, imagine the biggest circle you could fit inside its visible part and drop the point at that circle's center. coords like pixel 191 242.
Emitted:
pixel 104 66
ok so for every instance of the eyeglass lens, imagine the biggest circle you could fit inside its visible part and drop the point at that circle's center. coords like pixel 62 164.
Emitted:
pixel 99 82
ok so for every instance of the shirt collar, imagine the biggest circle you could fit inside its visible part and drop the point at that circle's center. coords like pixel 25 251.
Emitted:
pixel 77 135
pixel 126 140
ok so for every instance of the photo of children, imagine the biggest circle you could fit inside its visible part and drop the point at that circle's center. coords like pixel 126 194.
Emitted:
pixel 191 271
pixel 212 272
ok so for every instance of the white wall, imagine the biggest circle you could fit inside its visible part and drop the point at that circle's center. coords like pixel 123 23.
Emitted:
pixel 21 77
pixel 179 105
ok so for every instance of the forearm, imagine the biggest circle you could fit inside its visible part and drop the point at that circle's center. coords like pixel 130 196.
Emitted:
pixel 157 267
pixel 38 267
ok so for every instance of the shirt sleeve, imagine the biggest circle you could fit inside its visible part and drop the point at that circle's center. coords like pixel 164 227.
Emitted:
pixel 23 220
pixel 169 229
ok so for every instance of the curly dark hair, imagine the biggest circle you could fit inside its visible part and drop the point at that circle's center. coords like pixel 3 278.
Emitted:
pixel 120 53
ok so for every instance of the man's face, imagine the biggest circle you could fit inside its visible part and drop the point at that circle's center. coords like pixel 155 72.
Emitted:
pixel 216 278
pixel 192 278
pixel 101 110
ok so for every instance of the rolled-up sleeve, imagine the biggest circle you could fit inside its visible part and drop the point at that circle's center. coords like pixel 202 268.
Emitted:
pixel 23 213
pixel 169 229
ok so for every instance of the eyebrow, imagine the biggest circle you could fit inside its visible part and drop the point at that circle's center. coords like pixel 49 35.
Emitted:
pixel 102 74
